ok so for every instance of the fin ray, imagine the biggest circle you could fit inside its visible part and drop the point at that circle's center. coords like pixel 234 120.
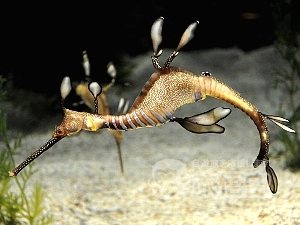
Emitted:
pixel 288 129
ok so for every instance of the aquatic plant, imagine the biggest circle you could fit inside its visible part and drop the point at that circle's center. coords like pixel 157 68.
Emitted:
pixel 287 27
pixel 17 207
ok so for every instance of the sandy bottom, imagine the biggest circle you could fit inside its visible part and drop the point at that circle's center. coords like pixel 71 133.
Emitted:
pixel 171 175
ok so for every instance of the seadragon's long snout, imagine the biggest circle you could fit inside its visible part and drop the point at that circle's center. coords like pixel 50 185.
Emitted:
pixel 34 155
pixel 59 133
pixel 72 123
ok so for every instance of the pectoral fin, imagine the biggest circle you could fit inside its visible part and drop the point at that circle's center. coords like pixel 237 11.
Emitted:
pixel 205 122
pixel 200 129
pixel 210 117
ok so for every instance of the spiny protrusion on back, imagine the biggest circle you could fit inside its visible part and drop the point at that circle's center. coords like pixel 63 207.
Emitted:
pixel 157 39
pixel 112 71
pixel 95 90
pixel 187 35
pixel 156 36
pixel 86 63
pixel 65 88
pixel 123 104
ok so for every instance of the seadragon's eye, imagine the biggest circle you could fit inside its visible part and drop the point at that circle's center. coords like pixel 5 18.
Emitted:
pixel 59 133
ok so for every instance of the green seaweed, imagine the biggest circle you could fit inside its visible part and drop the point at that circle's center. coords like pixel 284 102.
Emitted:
pixel 287 28
pixel 16 205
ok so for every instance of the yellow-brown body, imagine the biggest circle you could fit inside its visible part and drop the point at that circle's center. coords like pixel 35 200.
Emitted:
pixel 167 89
pixel 170 88
pixel 103 109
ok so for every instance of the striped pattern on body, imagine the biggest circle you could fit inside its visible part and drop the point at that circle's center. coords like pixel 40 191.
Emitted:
pixel 170 88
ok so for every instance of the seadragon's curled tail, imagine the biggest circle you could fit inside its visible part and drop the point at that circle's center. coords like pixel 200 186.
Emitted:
pixel 168 89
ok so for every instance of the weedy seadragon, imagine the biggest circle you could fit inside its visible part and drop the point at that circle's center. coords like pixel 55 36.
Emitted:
pixel 168 89
pixel 101 106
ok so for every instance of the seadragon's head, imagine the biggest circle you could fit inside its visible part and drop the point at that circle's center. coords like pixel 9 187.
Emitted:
pixel 72 123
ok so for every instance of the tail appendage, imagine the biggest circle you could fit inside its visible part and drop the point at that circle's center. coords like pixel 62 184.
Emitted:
pixel 168 89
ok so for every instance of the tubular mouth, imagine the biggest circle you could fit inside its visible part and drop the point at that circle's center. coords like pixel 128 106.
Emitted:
pixel 33 156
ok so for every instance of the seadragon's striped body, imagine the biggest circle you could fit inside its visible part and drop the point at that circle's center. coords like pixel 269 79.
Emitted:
pixel 155 104
pixel 161 96
pixel 167 89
